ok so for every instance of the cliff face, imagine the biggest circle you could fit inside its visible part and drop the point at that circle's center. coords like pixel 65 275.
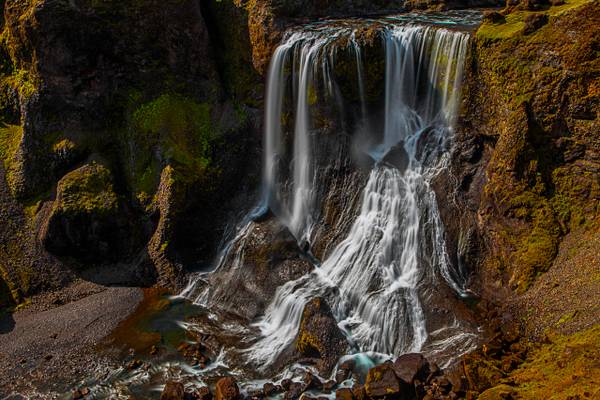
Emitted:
pixel 527 171
pixel 116 126
pixel 527 151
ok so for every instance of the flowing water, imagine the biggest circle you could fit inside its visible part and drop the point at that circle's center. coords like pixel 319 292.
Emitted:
pixel 348 167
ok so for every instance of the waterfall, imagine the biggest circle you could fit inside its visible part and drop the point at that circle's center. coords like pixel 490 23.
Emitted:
pixel 372 277
pixel 385 253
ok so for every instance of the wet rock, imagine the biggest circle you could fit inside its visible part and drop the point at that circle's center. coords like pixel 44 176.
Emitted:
pixel 329 385
pixel 312 382
pixel 269 389
pixel 294 391
pixel 344 394
pixel 359 392
pixel 397 157
pixel 79 394
pixel 382 383
pixel 173 391
pixel 319 337
pixel 227 389
pixel 272 257
pixel 409 367
pixel 203 393
pixel 533 22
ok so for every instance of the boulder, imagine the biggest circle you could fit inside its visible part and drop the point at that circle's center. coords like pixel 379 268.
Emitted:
pixel 493 17
pixel 344 394
pixel 227 389
pixel 382 383
pixel 203 394
pixel 173 391
pixel 86 221
pixel 533 22
pixel 319 337
pixel 272 257
pixel 409 367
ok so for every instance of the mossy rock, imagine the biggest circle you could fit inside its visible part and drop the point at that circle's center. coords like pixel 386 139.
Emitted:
pixel 87 222
pixel 319 337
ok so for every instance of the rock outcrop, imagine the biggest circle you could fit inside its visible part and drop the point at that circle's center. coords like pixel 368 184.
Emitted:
pixel 319 338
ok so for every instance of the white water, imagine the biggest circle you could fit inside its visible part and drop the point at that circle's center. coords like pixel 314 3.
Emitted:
pixel 374 278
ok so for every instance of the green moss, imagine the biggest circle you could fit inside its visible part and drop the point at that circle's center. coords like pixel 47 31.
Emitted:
pixel 514 22
pixel 10 137
pixel 88 189
pixel 565 368
pixel 170 130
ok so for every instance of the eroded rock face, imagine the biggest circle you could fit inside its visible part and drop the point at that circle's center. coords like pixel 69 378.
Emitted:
pixel 270 257
pixel 319 338
pixel 525 154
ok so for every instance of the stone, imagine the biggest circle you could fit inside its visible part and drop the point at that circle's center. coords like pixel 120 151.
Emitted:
pixel 319 337
pixel 493 16
pixel 312 382
pixel 173 391
pixel 294 391
pixel 203 393
pixel 409 367
pixel 227 389
pixel 382 383
pixel 533 22
pixel 344 394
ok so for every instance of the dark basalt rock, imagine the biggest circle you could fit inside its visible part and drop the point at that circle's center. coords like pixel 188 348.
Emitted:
pixel 271 258
pixel 319 338
pixel 409 367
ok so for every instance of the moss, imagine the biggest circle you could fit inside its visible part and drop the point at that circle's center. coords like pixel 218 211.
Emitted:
pixel 564 368
pixel 173 130
pixel 10 137
pixel 87 190
pixel 515 21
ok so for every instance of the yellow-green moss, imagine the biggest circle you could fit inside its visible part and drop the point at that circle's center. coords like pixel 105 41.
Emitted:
pixel 515 21
pixel 87 190
pixel 10 137
pixel 565 368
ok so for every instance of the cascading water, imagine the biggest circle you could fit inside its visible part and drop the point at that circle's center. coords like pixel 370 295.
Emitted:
pixel 381 258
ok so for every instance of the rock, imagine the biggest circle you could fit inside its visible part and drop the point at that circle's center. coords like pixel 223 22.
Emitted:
pixel 382 383
pixel 227 389
pixel 202 394
pixel 359 393
pixel 86 221
pixel 493 16
pixel 319 337
pixel 533 22
pixel 397 157
pixel 79 394
pixel 501 392
pixel 271 258
pixel 173 391
pixel 294 391
pixel 344 394
pixel 269 389
pixel 312 382
pixel 409 367
pixel 329 385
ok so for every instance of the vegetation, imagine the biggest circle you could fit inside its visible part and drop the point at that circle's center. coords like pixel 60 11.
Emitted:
pixel 87 190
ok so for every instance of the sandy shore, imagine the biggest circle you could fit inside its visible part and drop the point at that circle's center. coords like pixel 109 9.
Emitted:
pixel 48 351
